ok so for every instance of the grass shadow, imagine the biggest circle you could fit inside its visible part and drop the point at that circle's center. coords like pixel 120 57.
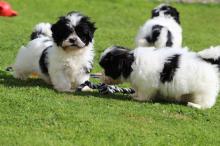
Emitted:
pixel 8 80
pixel 117 96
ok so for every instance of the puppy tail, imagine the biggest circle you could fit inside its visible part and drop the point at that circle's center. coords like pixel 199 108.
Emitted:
pixel 211 55
pixel 41 29
pixel 11 67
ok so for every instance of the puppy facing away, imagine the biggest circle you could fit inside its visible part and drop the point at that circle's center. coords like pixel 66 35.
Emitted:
pixel 41 30
pixel 162 30
pixel 64 61
pixel 171 74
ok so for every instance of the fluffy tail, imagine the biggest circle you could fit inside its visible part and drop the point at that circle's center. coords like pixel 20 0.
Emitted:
pixel 41 29
pixel 211 55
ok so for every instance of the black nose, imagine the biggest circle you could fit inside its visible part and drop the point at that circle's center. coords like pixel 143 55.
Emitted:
pixel 72 40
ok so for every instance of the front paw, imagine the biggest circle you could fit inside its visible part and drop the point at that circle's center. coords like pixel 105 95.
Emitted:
pixel 64 88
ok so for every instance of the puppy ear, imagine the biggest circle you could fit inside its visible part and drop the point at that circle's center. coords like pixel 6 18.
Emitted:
pixel 123 63
pixel 127 62
pixel 175 14
pixel 92 29
pixel 154 13
pixel 59 30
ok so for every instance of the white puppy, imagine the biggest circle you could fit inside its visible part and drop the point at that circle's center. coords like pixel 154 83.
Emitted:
pixel 170 74
pixel 162 30
pixel 66 60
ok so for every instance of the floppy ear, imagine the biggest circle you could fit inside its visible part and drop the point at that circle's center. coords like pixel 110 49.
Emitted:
pixel 126 67
pixel 123 64
pixel 175 14
pixel 154 13
pixel 58 30
pixel 92 29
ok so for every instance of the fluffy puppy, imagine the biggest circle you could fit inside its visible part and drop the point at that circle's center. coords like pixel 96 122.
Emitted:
pixel 162 30
pixel 65 61
pixel 41 30
pixel 170 74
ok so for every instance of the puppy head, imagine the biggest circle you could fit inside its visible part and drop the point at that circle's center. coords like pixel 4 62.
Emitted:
pixel 73 31
pixel 166 10
pixel 116 62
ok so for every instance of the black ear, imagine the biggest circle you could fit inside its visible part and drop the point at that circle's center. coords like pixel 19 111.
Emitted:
pixel 154 13
pixel 60 30
pixel 87 28
pixel 118 63
pixel 175 15
pixel 126 65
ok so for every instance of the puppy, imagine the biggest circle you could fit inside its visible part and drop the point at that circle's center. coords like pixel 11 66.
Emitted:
pixel 162 30
pixel 41 30
pixel 171 74
pixel 66 60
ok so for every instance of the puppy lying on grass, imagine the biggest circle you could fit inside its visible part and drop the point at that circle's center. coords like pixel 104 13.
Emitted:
pixel 171 74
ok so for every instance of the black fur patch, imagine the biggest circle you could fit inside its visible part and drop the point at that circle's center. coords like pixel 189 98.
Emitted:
pixel 84 29
pixel 169 68
pixel 34 35
pixel 60 30
pixel 156 29
pixel 117 62
pixel 43 62
pixel 169 42
pixel 168 10
pixel 213 61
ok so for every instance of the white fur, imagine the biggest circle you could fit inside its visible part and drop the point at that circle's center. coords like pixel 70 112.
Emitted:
pixel 169 24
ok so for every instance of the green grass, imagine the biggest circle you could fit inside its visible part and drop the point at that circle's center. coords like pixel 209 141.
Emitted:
pixel 32 113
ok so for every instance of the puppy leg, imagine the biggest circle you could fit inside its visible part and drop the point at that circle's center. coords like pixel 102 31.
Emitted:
pixel 140 96
pixel 203 101
pixel 193 105
pixel 23 75
pixel 61 82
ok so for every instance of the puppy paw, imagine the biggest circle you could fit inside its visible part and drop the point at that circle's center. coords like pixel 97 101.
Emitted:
pixel 194 105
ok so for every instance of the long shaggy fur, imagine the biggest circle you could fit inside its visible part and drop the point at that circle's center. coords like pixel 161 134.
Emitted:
pixel 170 74
pixel 66 60
pixel 162 30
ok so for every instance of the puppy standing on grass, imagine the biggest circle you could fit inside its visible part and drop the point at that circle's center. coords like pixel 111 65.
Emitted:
pixel 162 30
pixel 170 74
pixel 66 60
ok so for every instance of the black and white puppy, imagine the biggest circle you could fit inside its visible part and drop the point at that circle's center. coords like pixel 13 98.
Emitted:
pixel 162 30
pixel 66 60
pixel 170 74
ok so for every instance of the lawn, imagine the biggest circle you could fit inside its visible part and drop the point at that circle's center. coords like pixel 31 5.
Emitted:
pixel 32 113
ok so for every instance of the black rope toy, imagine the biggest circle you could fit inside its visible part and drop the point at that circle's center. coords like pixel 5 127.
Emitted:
pixel 106 89
pixel 101 87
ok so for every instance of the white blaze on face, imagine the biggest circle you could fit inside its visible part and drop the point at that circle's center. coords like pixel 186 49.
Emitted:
pixel 73 41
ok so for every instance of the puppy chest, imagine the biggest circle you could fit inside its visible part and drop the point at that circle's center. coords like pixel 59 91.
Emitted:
pixel 74 69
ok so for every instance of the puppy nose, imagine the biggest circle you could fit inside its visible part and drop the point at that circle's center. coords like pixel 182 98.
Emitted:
pixel 72 40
